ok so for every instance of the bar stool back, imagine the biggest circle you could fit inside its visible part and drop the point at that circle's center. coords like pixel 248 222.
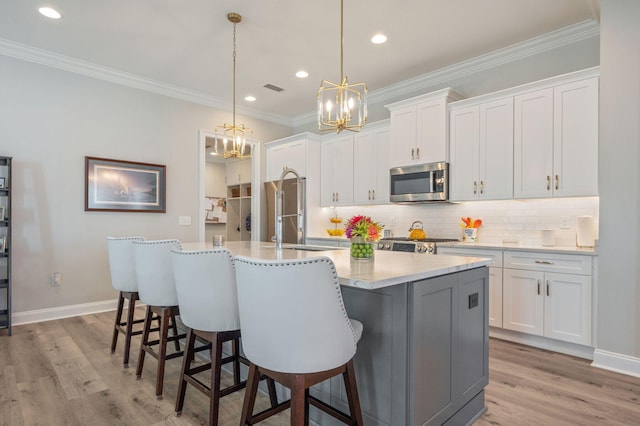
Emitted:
pixel 123 279
pixel 295 330
pixel 154 274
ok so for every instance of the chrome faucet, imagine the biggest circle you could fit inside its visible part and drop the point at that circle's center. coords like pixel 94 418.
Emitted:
pixel 280 207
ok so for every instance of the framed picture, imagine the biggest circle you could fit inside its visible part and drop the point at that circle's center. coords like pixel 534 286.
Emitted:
pixel 124 186
pixel 3 243
pixel 2 183
pixel 2 216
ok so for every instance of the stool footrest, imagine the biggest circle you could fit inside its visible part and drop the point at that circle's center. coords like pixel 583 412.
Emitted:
pixel 321 405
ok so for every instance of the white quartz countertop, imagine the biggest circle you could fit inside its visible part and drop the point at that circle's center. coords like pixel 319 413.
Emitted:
pixel 387 269
pixel 523 247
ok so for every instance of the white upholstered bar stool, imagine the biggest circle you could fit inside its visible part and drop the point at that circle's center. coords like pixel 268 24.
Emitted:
pixel 123 279
pixel 207 296
pixel 156 286
pixel 295 330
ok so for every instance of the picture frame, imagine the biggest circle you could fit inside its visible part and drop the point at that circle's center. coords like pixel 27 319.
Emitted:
pixel 3 243
pixel 2 214
pixel 124 186
pixel 3 183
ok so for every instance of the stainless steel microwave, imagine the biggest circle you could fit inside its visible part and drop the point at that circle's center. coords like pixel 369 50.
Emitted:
pixel 420 183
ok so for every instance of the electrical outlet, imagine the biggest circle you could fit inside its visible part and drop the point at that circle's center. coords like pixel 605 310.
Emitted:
pixel 56 279
pixel 564 222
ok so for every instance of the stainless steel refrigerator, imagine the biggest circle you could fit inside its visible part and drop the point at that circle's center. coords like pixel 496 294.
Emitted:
pixel 290 232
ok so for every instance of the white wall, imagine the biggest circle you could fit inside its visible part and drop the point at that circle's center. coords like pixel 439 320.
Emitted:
pixel 619 180
pixel 50 120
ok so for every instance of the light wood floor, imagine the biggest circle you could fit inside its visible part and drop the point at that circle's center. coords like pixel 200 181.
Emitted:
pixel 62 373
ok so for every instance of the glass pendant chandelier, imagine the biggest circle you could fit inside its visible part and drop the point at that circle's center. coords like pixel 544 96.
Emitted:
pixel 230 139
pixel 342 106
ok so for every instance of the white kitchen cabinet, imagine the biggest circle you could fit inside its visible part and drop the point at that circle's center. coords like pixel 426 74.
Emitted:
pixel 541 298
pixel 238 171
pixel 495 278
pixel 420 128
pixel 336 171
pixel 556 141
pixel 297 152
pixel 371 166
pixel 481 139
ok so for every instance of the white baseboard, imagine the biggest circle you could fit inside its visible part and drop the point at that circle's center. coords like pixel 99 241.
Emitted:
pixel 619 363
pixel 28 317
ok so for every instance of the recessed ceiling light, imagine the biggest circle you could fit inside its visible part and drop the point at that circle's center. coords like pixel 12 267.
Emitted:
pixel 379 38
pixel 302 74
pixel 50 12
pixel 250 98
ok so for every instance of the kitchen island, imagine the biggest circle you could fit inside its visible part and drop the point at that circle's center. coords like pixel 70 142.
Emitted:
pixel 423 355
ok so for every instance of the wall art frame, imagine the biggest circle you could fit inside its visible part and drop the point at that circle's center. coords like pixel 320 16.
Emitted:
pixel 124 186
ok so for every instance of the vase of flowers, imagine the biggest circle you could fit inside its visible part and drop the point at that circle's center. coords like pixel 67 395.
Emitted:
pixel 363 233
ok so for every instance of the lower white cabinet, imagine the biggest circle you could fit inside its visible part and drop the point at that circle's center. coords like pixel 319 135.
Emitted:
pixel 539 300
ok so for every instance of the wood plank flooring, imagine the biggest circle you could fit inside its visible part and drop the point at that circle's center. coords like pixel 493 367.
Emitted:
pixel 62 373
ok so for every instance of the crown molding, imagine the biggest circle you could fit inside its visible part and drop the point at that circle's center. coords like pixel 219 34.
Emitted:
pixel 78 66
pixel 555 39
pixel 568 35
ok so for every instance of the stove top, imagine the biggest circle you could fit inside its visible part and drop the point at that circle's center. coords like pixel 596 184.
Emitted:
pixel 423 245
pixel 421 240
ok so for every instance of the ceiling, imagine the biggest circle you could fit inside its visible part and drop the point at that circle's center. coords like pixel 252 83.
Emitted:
pixel 187 45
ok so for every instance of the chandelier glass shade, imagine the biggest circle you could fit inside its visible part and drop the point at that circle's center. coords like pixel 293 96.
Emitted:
pixel 230 140
pixel 342 106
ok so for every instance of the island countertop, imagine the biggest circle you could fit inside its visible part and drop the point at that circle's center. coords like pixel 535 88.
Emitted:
pixel 387 269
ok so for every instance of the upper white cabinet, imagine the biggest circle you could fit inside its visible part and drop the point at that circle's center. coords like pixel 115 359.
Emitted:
pixel 371 166
pixel 238 171
pixel 336 171
pixel 297 152
pixel 556 141
pixel 419 128
pixel 481 140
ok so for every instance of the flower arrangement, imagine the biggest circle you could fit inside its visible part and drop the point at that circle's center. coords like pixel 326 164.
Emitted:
pixel 470 223
pixel 363 226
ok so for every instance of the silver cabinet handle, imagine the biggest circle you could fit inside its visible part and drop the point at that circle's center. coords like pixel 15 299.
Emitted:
pixel 475 187
pixel 547 287
pixel 544 262
pixel 482 187
pixel 418 153
pixel 373 194
pixel 412 154
pixel 557 182
pixel 369 195
pixel 337 197
pixel 538 287
pixel 548 183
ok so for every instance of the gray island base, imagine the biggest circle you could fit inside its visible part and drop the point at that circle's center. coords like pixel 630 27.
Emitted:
pixel 423 358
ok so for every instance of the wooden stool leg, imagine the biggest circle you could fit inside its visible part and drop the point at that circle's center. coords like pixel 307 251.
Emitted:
pixel 216 370
pixel 143 342
pixel 273 396
pixel 174 327
pixel 235 351
pixel 114 339
pixel 127 337
pixel 352 394
pixel 182 388
pixel 297 400
pixel 250 394
pixel 162 353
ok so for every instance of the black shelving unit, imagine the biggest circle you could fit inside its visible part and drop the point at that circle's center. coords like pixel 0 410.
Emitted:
pixel 5 244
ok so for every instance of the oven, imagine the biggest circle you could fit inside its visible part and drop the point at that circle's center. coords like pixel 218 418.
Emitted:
pixel 423 246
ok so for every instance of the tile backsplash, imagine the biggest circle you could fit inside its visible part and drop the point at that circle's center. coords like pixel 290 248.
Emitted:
pixel 511 221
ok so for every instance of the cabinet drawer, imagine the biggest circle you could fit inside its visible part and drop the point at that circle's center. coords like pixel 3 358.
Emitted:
pixel 548 262
pixel 495 255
